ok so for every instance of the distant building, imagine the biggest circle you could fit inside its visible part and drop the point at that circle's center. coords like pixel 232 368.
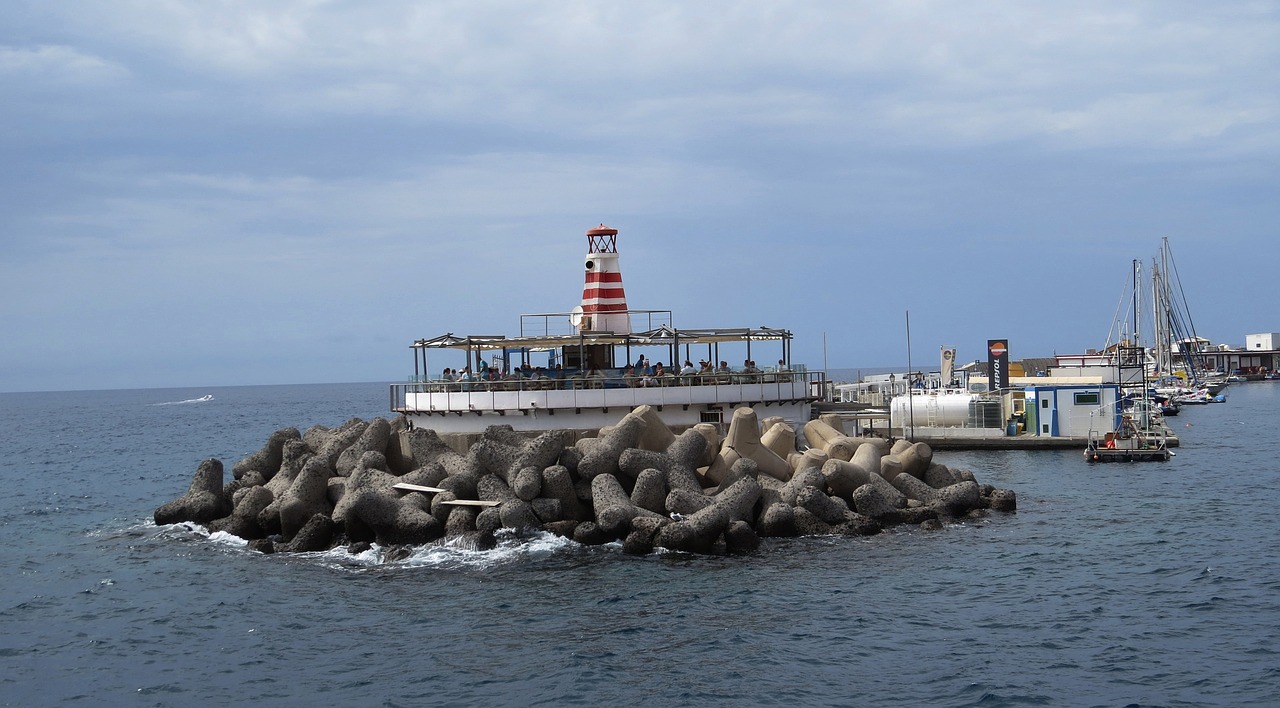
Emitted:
pixel 1268 340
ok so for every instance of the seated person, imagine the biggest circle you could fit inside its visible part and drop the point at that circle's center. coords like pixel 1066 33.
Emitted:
pixel 723 368
pixel 658 373
pixel 688 369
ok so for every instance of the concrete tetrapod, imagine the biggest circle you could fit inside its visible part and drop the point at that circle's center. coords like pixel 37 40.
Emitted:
pixel 293 457
pixel 813 457
pixel 779 437
pixel 329 443
pixel 614 509
pixel 656 435
pixel 243 521
pixel 306 497
pixel 374 438
pixel 743 441
pixel 203 502
pixel 268 459
pixel 700 530
pixel 834 442
pixel 603 456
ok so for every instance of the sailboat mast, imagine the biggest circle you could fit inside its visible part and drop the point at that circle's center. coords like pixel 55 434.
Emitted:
pixel 1137 326
pixel 1160 324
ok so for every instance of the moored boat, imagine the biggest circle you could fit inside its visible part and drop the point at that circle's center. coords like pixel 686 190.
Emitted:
pixel 1133 430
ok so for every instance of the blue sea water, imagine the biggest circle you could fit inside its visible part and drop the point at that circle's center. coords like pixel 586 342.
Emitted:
pixel 1152 584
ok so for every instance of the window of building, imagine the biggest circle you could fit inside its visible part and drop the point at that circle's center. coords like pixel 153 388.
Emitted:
pixel 1084 398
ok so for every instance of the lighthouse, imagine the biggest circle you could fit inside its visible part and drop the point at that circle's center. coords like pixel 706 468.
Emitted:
pixel 604 304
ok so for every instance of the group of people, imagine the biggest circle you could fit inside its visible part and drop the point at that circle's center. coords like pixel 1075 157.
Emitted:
pixel 485 372
pixel 642 373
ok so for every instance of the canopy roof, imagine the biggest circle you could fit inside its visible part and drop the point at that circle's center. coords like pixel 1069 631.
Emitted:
pixel 662 336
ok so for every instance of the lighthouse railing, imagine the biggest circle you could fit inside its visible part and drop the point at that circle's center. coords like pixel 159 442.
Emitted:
pixel 480 396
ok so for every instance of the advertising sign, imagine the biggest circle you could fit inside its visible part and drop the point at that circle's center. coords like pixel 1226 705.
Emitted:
pixel 948 365
pixel 998 363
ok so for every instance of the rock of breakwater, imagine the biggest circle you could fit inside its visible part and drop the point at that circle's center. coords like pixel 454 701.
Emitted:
pixel 203 503
pixel 823 435
pixel 743 441
pixel 243 521
pixel 267 460
pixel 636 484
pixel 374 438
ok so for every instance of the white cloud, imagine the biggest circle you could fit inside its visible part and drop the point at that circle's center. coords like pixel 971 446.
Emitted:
pixel 57 64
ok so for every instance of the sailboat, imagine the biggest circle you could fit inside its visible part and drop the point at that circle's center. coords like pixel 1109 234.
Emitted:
pixel 1134 429
pixel 1180 371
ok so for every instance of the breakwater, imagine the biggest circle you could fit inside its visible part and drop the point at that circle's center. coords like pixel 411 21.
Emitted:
pixel 637 482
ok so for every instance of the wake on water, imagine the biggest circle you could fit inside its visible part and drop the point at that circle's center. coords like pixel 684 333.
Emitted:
pixel 202 399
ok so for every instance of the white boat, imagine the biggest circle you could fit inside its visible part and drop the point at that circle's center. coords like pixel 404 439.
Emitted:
pixel 590 379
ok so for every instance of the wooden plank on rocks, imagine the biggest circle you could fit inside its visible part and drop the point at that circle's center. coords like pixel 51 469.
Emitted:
pixel 405 486
pixel 471 502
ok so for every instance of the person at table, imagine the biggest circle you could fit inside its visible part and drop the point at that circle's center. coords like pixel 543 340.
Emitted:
pixel 723 368
pixel 688 369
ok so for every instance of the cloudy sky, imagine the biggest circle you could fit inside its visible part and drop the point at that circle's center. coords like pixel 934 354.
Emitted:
pixel 202 193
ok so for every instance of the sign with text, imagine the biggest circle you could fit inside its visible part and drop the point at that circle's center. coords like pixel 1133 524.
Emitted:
pixel 998 363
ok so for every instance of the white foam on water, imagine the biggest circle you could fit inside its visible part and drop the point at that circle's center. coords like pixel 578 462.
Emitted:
pixel 203 399
pixel 453 553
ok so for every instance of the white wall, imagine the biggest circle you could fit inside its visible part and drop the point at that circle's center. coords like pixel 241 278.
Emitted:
pixel 1265 341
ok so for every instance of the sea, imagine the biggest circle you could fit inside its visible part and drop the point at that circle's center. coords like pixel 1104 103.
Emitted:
pixel 1141 584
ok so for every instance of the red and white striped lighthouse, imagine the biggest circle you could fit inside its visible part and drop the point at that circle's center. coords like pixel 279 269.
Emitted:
pixel 604 304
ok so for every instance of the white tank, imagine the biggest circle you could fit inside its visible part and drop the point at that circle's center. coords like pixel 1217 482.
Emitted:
pixel 939 410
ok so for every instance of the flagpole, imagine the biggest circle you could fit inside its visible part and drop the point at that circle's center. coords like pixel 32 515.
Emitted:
pixel 910 400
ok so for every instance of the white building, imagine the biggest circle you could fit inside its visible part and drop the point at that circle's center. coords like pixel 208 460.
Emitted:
pixel 1070 410
pixel 1265 341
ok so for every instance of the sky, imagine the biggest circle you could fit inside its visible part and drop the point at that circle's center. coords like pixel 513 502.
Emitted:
pixel 206 193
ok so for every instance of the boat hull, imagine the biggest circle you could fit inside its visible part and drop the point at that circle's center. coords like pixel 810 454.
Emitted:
pixel 1106 455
